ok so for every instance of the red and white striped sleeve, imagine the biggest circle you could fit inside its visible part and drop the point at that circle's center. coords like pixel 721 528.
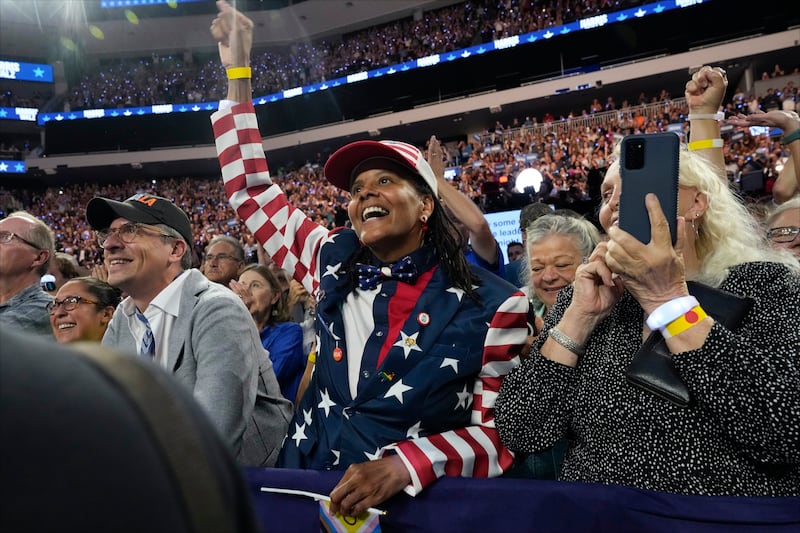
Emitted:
pixel 475 450
pixel 287 234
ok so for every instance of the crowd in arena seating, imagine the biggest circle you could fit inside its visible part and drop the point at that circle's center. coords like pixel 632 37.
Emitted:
pixel 566 152
pixel 168 79
pixel 566 149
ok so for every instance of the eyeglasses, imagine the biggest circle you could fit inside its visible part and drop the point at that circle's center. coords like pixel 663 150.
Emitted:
pixel 7 236
pixel 220 257
pixel 784 234
pixel 127 233
pixel 69 303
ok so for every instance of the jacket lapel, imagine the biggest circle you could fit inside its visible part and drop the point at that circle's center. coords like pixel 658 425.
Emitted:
pixel 436 307
pixel 194 285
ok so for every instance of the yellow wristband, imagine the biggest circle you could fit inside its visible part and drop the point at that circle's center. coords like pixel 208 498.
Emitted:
pixel 705 144
pixel 312 357
pixel 238 73
pixel 686 321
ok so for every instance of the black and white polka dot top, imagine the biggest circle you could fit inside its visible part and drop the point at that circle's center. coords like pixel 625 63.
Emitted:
pixel 740 435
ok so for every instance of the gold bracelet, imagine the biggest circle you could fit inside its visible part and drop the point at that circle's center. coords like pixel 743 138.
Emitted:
pixel 239 73
pixel 705 144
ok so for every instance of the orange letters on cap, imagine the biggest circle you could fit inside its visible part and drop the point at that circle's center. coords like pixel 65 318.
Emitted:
pixel 147 200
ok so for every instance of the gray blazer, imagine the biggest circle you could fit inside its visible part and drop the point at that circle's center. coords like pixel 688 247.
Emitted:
pixel 216 352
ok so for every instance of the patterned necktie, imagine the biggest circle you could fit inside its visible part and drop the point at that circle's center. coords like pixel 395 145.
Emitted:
pixel 370 276
pixel 148 346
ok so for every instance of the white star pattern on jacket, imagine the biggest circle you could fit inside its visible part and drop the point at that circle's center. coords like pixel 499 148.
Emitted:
pixel 332 270
pixel 307 416
pixel 458 292
pixel 408 343
pixel 326 402
pixel 414 431
pixel 300 246
pixel 373 456
pixel 333 335
pixel 328 238
pixel 397 390
pixel 336 453
pixel 299 433
pixel 463 398
pixel 449 361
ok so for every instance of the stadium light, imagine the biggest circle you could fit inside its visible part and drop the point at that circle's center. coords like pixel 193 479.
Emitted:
pixel 530 177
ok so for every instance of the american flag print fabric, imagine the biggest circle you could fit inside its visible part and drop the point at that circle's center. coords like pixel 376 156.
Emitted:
pixel 433 359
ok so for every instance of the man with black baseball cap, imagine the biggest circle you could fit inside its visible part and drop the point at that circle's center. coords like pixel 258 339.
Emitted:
pixel 196 329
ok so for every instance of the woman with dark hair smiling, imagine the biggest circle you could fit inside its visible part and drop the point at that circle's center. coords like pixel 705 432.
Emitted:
pixel 413 342
pixel 82 309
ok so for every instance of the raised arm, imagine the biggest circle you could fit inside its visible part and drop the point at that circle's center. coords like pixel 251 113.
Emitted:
pixel 233 32
pixel 704 94
pixel 788 182
pixel 288 236
pixel 463 209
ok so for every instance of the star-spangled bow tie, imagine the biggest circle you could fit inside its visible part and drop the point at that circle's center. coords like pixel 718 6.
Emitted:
pixel 370 276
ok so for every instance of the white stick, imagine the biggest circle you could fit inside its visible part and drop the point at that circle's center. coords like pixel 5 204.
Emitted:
pixel 315 496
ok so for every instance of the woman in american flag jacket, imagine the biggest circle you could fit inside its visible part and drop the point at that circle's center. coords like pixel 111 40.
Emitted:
pixel 412 343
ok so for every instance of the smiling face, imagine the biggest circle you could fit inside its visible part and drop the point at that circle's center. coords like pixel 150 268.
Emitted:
pixel 143 267
pixel 386 211
pixel 84 323
pixel 553 260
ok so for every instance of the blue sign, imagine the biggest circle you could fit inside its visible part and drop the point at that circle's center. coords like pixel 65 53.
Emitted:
pixel 135 3
pixel 19 113
pixel 428 61
pixel 17 70
pixel 11 166
pixel 452 172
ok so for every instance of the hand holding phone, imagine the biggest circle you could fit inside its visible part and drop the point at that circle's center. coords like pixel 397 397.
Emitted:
pixel 648 164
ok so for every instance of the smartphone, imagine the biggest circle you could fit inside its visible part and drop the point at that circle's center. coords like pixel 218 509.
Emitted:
pixel 648 164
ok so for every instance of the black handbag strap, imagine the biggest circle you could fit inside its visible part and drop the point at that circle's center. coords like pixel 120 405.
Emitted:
pixel 171 425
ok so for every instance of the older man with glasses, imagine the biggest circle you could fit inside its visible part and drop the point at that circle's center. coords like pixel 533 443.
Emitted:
pixel 26 246
pixel 196 329
pixel 224 258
